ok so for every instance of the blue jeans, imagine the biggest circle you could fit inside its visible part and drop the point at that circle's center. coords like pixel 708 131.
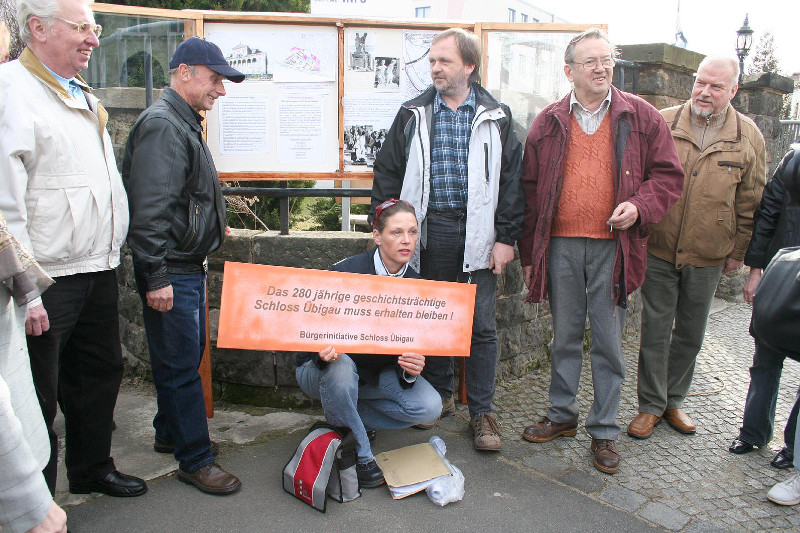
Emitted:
pixel 176 340
pixel 762 395
pixel 359 406
pixel 442 259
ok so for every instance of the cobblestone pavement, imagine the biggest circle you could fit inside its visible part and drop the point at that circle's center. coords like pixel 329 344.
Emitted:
pixel 679 482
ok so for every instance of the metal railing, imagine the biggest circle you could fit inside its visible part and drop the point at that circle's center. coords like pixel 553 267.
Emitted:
pixel 283 193
pixel 790 133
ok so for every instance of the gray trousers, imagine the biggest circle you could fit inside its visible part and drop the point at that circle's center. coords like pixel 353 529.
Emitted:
pixel 580 272
pixel 667 355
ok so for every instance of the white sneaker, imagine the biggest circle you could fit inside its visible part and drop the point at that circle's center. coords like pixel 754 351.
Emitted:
pixel 786 492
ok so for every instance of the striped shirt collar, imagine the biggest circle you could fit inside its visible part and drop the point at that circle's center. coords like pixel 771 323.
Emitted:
pixel 603 105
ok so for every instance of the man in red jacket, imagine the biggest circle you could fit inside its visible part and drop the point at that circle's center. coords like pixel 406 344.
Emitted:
pixel 599 165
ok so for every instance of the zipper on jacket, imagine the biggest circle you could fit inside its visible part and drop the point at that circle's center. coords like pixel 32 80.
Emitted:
pixel 486 160
pixel 192 226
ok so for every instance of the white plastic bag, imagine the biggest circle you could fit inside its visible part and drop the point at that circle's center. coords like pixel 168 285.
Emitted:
pixel 445 489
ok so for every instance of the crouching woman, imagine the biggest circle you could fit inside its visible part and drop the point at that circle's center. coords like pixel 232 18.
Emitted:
pixel 369 392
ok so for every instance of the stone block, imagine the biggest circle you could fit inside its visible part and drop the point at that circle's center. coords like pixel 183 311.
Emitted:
pixel 730 285
pixel 758 102
pixel 660 81
pixel 285 369
pixel 679 58
pixel 134 340
pixel 511 310
pixel 662 102
pixel 244 367
pixel 549 466
pixel 768 80
pixel 623 498
pixel 236 247
pixel 318 249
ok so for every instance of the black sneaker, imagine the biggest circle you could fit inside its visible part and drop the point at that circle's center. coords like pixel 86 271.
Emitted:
pixel 369 475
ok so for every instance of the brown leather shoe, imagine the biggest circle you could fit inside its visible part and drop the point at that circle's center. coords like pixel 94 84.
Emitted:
pixel 211 479
pixel 678 419
pixel 546 430
pixel 485 433
pixel 606 456
pixel 642 426
pixel 448 408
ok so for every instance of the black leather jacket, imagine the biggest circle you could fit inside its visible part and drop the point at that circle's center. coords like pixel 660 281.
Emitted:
pixel 176 203
pixel 777 218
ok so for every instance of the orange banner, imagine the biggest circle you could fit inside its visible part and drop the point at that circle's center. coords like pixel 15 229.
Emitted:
pixel 295 309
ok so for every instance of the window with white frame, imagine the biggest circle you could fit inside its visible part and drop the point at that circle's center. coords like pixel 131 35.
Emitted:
pixel 422 12
pixel 512 15
pixel 523 17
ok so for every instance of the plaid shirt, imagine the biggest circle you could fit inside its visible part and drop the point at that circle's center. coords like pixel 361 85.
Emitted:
pixel 451 133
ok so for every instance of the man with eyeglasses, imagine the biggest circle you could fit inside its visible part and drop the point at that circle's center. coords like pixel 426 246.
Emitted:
pixel 452 153
pixel 703 236
pixel 599 165
pixel 64 200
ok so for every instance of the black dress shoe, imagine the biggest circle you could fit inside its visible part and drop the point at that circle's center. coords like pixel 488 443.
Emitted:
pixel 369 475
pixel 371 435
pixel 783 460
pixel 114 484
pixel 169 447
pixel 739 447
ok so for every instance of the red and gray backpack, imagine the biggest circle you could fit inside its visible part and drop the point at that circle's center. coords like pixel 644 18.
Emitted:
pixel 323 465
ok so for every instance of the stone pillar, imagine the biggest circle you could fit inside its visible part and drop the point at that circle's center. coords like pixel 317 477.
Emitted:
pixel 662 74
pixel 760 97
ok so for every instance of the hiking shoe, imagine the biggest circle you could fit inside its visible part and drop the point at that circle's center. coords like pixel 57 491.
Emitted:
pixel 606 456
pixel 485 433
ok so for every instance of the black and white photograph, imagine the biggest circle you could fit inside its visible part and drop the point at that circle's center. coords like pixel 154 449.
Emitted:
pixel 361 52
pixel 387 74
pixel 362 144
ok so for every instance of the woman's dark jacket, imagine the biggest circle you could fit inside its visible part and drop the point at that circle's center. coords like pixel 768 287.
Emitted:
pixel 369 366
pixel 777 218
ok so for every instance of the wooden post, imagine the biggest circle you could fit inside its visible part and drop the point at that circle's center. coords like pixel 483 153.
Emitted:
pixel 205 366
pixel 462 379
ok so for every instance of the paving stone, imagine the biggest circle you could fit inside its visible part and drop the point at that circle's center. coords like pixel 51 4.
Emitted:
pixel 583 481
pixel 622 498
pixel 665 516
pixel 705 527
pixel 546 465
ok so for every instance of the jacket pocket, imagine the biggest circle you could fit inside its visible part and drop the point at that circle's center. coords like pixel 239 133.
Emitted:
pixel 715 240
pixel 59 206
pixel 194 227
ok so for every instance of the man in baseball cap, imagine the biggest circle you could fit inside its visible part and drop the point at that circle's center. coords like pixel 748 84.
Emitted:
pixel 197 51
pixel 178 218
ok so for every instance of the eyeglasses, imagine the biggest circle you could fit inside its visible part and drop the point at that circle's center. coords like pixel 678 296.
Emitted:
pixel 386 205
pixel 591 64
pixel 83 28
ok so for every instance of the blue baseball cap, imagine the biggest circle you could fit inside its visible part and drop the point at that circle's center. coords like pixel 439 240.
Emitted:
pixel 197 51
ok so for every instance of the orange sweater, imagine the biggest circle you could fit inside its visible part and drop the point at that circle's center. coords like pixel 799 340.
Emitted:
pixel 587 191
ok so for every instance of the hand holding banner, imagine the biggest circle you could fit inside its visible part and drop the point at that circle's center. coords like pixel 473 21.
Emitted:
pixel 294 309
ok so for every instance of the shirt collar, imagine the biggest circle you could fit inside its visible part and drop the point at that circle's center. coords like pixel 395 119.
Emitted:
pixel 380 268
pixel 64 82
pixel 438 102
pixel 603 105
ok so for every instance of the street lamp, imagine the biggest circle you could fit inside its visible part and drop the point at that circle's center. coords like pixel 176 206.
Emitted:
pixel 744 38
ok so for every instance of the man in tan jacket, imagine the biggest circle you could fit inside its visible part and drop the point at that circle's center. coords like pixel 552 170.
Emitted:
pixel 705 234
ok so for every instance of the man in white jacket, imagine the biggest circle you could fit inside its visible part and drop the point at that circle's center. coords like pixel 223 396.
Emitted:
pixel 63 199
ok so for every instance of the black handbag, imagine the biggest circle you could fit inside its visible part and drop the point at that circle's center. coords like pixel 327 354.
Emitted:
pixel 776 304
